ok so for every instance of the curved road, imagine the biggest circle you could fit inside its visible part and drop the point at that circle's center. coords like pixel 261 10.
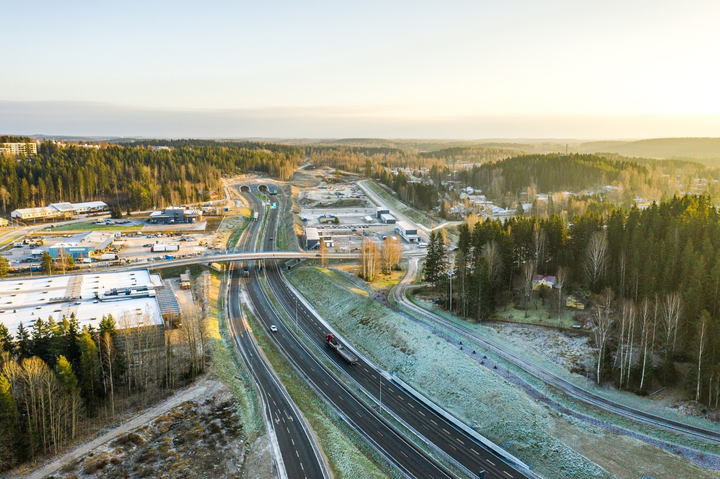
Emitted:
pixel 451 441
pixel 400 295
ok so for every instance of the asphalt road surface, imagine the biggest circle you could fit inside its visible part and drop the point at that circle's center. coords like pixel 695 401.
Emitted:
pixel 299 457
pixel 452 441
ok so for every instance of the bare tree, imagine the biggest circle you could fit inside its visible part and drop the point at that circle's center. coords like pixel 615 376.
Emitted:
pixel 108 354
pixel 528 274
pixel 702 342
pixel 672 309
pixel 596 257
pixel 647 327
pixel 323 253
pixel 561 279
pixel 627 332
pixel 602 325
pixel 493 262
pixel 539 242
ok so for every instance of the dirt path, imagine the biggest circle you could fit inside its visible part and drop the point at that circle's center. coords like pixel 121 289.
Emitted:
pixel 200 388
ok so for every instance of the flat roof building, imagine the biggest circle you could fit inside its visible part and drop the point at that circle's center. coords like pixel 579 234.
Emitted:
pixel 17 149
pixel 129 296
pixel 82 245
pixel 407 231
pixel 388 219
pixel 57 211
pixel 312 238
pixel 176 215
pixel 381 210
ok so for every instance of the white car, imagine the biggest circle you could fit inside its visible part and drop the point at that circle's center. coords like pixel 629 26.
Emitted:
pixel 273 328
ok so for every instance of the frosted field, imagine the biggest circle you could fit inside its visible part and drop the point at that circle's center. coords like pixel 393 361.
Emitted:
pixel 497 409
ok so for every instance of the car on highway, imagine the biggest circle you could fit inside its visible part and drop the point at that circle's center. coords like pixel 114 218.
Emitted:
pixel 273 328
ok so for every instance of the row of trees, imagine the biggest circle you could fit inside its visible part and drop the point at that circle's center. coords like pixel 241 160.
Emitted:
pixel 58 379
pixel 653 277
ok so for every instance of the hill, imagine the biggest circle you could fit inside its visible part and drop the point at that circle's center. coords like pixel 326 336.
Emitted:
pixel 695 148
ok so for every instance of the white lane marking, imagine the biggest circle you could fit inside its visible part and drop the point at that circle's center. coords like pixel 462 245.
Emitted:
pixel 509 475
pixel 473 450
pixel 488 460
pixel 460 441
pixel 433 422
pixel 446 431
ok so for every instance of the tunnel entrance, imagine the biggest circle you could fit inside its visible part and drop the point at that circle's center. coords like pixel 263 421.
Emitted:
pixel 245 189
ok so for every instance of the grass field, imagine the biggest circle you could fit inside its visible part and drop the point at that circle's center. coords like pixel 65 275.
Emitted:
pixel 90 226
pixel 497 409
pixel 537 314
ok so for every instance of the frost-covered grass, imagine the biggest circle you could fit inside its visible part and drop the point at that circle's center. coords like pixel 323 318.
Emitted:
pixel 226 365
pixel 537 314
pixel 497 409
pixel 623 397
pixel 339 443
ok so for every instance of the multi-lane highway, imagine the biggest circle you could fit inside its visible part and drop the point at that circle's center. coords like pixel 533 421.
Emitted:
pixel 301 457
pixel 449 440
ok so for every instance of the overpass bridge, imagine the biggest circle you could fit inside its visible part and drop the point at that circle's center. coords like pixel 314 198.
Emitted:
pixel 231 257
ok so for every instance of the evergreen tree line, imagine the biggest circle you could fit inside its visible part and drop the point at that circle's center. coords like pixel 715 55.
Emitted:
pixel 57 379
pixel 652 277
pixel 133 177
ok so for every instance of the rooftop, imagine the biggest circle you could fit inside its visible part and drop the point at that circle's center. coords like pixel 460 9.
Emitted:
pixel 25 300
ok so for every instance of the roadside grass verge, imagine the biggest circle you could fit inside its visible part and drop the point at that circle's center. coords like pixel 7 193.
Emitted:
pixel 499 410
pixel 227 366
pixel 339 443
pixel 235 237
pixel 90 226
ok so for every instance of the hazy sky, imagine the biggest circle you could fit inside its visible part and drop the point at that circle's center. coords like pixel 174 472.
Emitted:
pixel 473 69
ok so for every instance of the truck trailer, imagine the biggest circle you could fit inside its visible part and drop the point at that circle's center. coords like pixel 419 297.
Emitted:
pixel 344 353
pixel 256 216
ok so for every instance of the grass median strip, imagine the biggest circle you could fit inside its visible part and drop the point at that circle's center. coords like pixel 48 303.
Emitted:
pixel 339 443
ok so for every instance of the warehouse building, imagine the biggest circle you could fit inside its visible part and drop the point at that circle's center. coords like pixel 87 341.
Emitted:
pixel 59 211
pixel 388 219
pixel 407 231
pixel 312 238
pixel 82 245
pixel 175 215
pixel 129 296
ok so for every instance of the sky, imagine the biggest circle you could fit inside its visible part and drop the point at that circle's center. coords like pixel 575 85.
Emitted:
pixel 414 69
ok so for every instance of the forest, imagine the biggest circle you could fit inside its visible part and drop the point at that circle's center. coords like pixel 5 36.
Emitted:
pixel 59 382
pixel 135 177
pixel 651 279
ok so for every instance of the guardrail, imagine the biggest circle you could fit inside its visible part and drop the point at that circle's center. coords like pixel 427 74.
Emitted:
pixel 487 443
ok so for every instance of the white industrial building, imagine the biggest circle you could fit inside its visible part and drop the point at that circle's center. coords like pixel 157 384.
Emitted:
pixel 59 211
pixel 129 296
pixel 407 231
pixel 388 219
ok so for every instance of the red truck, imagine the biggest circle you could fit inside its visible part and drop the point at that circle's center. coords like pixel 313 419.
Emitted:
pixel 341 350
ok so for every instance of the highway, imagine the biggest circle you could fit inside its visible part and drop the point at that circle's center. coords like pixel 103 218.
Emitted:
pixel 410 460
pixel 301 458
pixel 400 295
pixel 451 441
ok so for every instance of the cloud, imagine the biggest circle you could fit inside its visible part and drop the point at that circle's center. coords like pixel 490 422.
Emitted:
pixel 100 119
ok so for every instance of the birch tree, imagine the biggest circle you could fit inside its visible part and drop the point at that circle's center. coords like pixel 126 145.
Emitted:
pixel 602 322
pixel 596 258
